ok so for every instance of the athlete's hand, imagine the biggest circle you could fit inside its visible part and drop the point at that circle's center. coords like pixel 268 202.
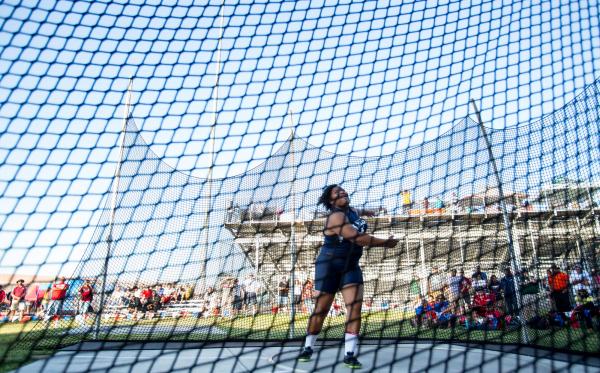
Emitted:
pixel 368 213
pixel 391 242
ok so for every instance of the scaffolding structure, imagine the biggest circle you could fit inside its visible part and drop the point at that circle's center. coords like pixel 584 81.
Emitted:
pixel 446 239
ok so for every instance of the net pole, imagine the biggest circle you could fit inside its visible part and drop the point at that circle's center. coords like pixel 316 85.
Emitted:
pixel 596 225
pixel 204 253
pixel 534 246
pixel 593 210
pixel 293 231
pixel 256 254
pixel 424 271
pixel 113 208
pixel 515 259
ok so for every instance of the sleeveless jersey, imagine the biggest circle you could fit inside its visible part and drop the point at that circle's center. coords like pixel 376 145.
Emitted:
pixel 341 247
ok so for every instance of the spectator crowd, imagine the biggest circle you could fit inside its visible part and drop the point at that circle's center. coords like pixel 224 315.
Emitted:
pixel 31 302
pixel 490 302
pixel 479 300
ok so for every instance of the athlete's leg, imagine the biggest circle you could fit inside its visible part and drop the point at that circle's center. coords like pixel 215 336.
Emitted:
pixel 323 302
pixel 353 298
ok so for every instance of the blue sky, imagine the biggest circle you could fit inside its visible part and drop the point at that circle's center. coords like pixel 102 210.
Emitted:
pixel 362 78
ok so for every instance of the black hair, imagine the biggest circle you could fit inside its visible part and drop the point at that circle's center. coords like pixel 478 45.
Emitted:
pixel 326 196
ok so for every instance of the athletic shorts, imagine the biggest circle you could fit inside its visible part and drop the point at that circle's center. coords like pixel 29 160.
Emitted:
pixel 14 305
pixel 334 273
pixel 237 303
pixel 251 298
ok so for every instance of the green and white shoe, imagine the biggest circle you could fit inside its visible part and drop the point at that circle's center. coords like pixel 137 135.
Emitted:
pixel 305 355
pixel 351 361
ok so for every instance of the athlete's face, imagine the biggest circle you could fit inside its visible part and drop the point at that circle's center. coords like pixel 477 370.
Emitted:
pixel 339 197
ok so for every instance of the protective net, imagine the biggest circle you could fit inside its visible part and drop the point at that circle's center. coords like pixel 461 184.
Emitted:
pixel 161 167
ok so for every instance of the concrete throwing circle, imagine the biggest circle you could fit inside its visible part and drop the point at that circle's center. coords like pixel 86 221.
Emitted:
pixel 280 357
pixel 428 357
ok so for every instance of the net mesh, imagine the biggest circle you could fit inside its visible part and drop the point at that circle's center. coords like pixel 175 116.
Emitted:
pixel 192 211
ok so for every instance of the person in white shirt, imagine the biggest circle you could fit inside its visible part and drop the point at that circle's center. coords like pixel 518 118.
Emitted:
pixel 117 297
pixel 297 293
pixel 579 280
pixel 227 285
pixel 436 282
pixel 168 291
pixel 251 288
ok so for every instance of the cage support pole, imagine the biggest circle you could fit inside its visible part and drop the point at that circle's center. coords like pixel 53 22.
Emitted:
pixel 293 231
pixel 204 251
pixel 515 261
pixel 113 210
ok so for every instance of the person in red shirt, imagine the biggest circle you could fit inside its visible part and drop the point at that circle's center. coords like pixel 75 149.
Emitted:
pixel 482 308
pixel 307 297
pixel 146 297
pixel 483 302
pixel 4 303
pixel 87 293
pixel 58 293
pixel 559 289
pixel 31 298
pixel 3 299
pixel 465 288
pixel 17 297
pixel 147 293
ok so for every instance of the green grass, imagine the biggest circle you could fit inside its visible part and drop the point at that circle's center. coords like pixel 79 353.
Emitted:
pixel 18 346
pixel 23 343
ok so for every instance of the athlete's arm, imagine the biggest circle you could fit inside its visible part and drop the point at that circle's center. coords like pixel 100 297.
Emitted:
pixel 336 224
pixel 365 212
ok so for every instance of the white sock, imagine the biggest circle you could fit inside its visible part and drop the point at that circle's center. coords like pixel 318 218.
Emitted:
pixel 310 340
pixel 351 343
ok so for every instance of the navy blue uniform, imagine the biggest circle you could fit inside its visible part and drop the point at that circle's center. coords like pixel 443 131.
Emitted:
pixel 337 263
